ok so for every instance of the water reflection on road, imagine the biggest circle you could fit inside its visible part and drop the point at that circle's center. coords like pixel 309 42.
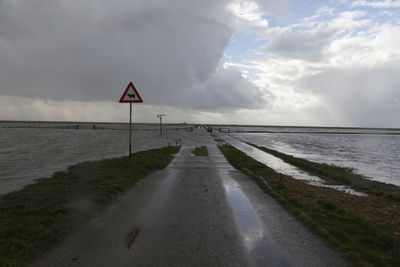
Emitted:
pixel 261 248
pixel 154 207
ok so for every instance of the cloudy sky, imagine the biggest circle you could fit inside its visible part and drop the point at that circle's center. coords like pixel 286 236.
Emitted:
pixel 288 62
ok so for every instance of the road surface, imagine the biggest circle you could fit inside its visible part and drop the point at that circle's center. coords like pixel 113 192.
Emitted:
pixel 199 211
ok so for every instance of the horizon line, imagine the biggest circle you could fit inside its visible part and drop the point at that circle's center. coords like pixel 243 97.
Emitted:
pixel 212 124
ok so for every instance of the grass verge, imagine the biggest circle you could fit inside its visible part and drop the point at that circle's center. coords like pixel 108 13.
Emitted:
pixel 325 211
pixel 200 151
pixel 217 138
pixel 36 217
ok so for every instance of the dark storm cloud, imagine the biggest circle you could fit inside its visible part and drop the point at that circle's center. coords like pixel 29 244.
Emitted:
pixel 90 50
pixel 225 89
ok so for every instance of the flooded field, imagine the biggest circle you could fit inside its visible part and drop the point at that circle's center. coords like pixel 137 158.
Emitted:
pixel 29 151
pixel 376 156
pixel 282 167
pixel 313 130
pixel 32 150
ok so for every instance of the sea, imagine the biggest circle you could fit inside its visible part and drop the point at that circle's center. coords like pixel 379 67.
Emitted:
pixel 32 150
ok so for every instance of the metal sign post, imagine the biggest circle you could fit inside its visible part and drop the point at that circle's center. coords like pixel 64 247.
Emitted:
pixel 160 117
pixel 130 96
pixel 130 129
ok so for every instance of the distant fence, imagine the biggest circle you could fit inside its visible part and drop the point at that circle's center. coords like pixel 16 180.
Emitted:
pixel 92 127
pixel 219 129
pixel 224 130
pixel 281 130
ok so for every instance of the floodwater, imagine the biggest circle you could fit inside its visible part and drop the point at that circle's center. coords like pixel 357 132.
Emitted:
pixel 284 168
pixel 313 130
pixel 27 154
pixel 376 156
pixel 36 151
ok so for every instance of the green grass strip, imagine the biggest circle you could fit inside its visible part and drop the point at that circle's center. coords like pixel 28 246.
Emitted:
pixel 200 151
pixel 362 242
pixel 33 219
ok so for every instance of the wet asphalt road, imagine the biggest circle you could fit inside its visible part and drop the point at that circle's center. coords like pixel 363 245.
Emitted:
pixel 197 212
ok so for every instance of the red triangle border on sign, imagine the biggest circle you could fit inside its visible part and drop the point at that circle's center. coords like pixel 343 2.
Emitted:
pixel 130 85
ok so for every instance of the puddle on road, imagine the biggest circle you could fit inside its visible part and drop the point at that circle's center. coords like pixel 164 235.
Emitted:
pixel 282 167
pixel 261 248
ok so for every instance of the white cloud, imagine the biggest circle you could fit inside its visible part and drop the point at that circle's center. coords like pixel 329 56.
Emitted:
pixel 248 14
pixel 341 67
pixel 372 48
pixel 311 39
pixel 376 4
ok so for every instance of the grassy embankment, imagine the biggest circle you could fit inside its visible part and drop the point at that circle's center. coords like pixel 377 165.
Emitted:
pixel 340 218
pixel 33 219
pixel 200 151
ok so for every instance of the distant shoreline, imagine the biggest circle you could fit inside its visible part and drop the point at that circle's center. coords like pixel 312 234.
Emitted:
pixel 215 125
pixel 91 122
pixel 308 127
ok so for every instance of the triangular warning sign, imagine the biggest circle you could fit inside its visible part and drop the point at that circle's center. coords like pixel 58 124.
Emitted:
pixel 130 95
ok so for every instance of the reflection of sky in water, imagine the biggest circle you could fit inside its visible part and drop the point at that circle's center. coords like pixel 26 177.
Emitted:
pixel 156 203
pixel 262 250
pixel 271 161
pixel 375 156
pixel 282 167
